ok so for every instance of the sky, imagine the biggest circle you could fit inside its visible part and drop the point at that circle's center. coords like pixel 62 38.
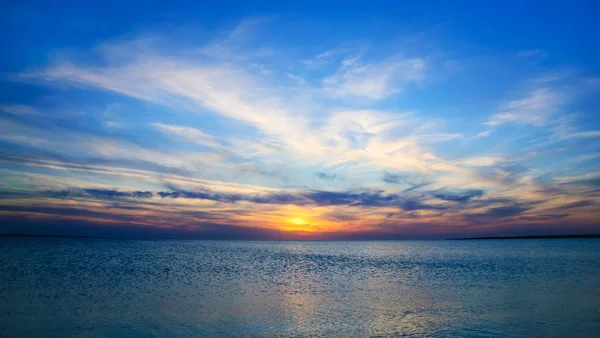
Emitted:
pixel 312 120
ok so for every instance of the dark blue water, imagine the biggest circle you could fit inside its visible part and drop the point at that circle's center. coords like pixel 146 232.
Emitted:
pixel 117 288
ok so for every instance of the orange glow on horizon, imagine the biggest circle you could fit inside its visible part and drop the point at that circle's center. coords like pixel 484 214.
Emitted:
pixel 298 221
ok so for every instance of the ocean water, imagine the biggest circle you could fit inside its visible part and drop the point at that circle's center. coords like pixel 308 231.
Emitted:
pixel 169 288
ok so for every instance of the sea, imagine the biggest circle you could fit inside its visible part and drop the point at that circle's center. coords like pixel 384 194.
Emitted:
pixel 84 287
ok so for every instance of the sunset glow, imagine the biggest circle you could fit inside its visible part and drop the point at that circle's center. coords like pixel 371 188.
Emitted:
pixel 298 221
pixel 278 128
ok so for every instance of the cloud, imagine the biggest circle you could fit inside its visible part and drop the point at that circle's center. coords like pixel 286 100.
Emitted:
pixel 202 194
pixel 481 161
pixel 589 179
pixel 325 176
pixel 113 124
pixel 375 80
pixel 412 205
pixel 53 225
pixel 583 134
pixel 112 170
pixel 188 133
pixel 535 108
pixel 80 146
pixel 578 204
pixel 589 157
pixel 20 110
pixel 368 199
pixel 298 79
pixel 110 194
pixel 414 181
pixel 506 211
pixel 306 198
pixel 543 218
pixel 459 197
pixel 277 115
pixel 322 59
pixel 504 173
pixel 484 133
pixel 393 178
pixel 343 216
pixel 265 173
pixel 225 198
pixel 260 119
pixel 226 89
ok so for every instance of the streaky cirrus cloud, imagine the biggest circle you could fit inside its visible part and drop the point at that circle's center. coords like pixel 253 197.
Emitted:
pixel 245 132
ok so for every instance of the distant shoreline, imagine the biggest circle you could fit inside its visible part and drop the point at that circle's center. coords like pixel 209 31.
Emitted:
pixel 37 235
pixel 527 237
pixel 449 239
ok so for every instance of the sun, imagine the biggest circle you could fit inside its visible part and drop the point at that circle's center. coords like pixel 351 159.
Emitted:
pixel 299 224
pixel 298 221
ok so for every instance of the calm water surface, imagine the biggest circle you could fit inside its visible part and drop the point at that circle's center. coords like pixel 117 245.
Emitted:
pixel 118 288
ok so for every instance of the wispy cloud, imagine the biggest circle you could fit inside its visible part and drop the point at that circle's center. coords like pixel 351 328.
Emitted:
pixel 374 80
pixel 19 110
pixel 233 132
pixel 582 134
pixel 535 108
pixel 188 133
pixel 326 176
pixel 484 133
pixel 480 161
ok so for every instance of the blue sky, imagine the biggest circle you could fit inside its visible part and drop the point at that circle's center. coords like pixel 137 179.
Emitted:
pixel 318 121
